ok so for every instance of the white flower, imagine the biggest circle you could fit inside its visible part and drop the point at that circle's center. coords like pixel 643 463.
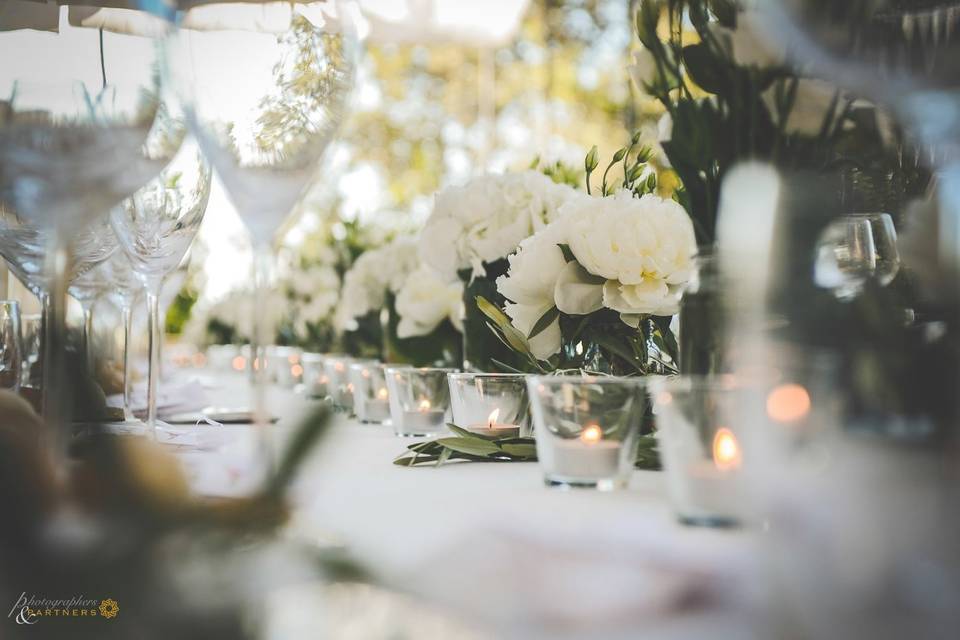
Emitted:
pixel 631 239
pixel 425 300
pixel 631 255
pixel 529 286
pixel 644 69
pixel 376 272
pixel 486 218
pixel 811 106
pixel 750 44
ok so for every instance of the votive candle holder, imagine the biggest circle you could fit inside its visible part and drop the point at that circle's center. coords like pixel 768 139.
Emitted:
pixel 700 448
pixel 371 398
pixel 490 404
pixel 419 400
pixel 587 429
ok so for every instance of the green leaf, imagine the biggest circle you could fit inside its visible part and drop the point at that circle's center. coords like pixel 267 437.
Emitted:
pixel 492 311
pixel 545 321
pixel 567 252
pixel 703 67
pixel 526 451
pixel 444 457
pixel 469 446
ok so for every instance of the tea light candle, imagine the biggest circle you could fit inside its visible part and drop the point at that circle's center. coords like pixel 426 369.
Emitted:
pixel 491 428
pixel 377 409
pixel 425 419
pixel 587 456
pixel 712 482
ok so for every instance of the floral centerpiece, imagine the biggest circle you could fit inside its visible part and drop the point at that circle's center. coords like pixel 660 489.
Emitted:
pixel 597 287
pixel 388 290
pixel 472 230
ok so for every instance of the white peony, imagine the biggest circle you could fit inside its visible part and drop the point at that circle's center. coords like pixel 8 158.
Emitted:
pixel 529 286
pixel 425 300
pixel 811 106
pixel 632 255
pixel 376 272
pixel 486 218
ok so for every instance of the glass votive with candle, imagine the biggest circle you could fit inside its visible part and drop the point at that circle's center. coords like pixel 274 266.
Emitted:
pixel 419 400
pixel 314 375
pixel 339 387
pixel 283 365
pixel 490 404
pixel 586 429
pixel 371 398
pixel 700 448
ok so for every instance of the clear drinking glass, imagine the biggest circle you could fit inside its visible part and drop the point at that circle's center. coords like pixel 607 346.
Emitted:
pixel 587 429
pixel 11 345
pixel 701 448
pixel 155 228
pixel 491 404
pixel 886 254
pixel 371 398
pixel 265 100
pixel 419 400
pixel 315 379
pixel 846 257
pixel 75 107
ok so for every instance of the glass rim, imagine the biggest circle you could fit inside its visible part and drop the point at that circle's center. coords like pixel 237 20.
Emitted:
pixel 692 382
pixel 394 367
pixel 632 381
pixel 467 375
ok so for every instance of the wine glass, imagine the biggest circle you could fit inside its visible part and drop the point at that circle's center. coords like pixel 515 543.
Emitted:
pixel 264 108
pixel 87 290
pixel 155 228
pixel 76 105
pixel 846 257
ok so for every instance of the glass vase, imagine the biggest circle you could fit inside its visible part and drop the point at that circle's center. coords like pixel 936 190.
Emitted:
pixel 701 318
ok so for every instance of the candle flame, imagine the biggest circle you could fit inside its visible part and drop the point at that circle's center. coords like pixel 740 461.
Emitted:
pixel 365 373
pixel 338 366
pixel 296 370
pixel 726 450
pixel 424 405
pixel 239 363
pixel 492 418
pixel 349 387
pixel 788 403
pixel 382 393
pixel 591 434
pixel 323 380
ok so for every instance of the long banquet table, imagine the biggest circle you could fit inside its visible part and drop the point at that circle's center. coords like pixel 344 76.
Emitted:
pixel 488 541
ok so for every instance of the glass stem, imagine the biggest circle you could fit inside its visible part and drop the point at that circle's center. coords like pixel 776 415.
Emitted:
pixel 259 339
pixel 41 355
pixel 127 314
pixel 57 394
pixel 153 368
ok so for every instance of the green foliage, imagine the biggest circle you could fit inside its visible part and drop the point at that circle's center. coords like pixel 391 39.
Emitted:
pixel 475 447
pixel 720 116
pixel 179 311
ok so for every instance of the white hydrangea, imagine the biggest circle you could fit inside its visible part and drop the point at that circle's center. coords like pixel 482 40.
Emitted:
pixel 425 300
pixel 376 272
pixel 632 255
pixel 486 218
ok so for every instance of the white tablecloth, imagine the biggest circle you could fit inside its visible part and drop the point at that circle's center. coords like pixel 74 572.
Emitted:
pixel 491 542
